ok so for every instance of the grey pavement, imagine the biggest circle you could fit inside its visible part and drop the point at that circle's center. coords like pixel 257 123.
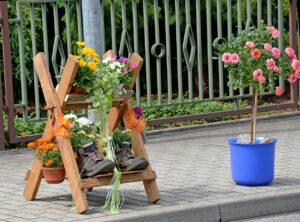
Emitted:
pixel 194 180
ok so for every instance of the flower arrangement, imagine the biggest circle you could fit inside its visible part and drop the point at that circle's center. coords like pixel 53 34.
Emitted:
pixel 46 152
pixel 110 81
pixel 82 131
pixel 88 63
pixel 252 61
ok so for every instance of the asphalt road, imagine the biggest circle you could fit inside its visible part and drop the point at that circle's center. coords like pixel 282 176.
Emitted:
pixel 289 217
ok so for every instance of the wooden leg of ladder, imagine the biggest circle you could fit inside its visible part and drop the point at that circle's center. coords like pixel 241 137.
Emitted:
pixel 151 190
pixel 79 196
pixel 33 182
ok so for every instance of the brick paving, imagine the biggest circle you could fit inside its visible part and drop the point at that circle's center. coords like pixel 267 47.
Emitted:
pixel 193 170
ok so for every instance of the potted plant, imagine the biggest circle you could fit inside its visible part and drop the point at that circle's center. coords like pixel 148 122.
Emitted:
pixel 253 62
pixel 88 62
pixel 49 156
pixel 82 131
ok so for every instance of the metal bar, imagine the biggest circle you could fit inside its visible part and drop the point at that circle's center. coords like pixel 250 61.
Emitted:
pixel 298 10
pixel 136 48
pixel 178 51
pixel 209 50
pixel 229 34
pixel 249 19
pixel 8 81
pixel 239 16
pixel 45 32
pixel 280 39
pixel 199 50
pixel 188 56
pixel 22 63
pixel 2 137
pixel 113 25
pixel 147 51
pixel 293 43
pixel 69 43
pixel 79 20
pixel 219 114
pixel 259 12
pixel 34 50
pixel 168 56
pixel 158 60
pixel 269 11
pixel 240 27
pixel 220 64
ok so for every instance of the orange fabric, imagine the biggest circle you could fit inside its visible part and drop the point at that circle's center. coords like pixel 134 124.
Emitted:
pixel 63 126
pixel 139 124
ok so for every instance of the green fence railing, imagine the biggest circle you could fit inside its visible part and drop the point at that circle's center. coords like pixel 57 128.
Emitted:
pixel 175 38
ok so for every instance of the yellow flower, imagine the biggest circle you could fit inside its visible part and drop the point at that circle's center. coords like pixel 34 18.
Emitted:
pixel 82 63
pixel 88 51
pixel 77 57
pixel 80 43
pixel 94 54
pixel 92 66
pixel 96 59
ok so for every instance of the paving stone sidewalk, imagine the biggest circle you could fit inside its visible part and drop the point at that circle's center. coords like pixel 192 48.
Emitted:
pixel 193 170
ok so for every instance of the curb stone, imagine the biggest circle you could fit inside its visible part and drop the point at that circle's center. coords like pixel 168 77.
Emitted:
pixel 220 212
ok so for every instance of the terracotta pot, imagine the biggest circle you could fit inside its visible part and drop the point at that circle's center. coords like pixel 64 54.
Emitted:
pixel 77 90
pixel 54 175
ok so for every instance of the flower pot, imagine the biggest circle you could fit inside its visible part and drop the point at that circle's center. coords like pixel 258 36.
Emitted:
pixel 54 175
pixel 252 164
pixel 77 90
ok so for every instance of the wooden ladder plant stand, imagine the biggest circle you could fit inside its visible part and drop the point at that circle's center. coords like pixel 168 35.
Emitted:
pixel 57 102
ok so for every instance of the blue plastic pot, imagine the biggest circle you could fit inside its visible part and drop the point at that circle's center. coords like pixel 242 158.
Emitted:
pixel 252 164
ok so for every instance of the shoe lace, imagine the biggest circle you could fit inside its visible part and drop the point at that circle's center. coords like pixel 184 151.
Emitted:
pixel 126 152
pixel 94 156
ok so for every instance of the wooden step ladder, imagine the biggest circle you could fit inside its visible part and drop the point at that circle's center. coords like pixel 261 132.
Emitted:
pixel 57 101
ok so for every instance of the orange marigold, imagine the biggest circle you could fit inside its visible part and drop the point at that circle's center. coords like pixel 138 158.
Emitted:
pixel 50 146
pixel 49 163
pixel 31 145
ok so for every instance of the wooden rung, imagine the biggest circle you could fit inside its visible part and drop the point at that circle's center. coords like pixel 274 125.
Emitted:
pixel 127 177
pixel 81 101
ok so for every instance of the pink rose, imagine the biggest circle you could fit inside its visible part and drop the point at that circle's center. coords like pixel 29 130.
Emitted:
pixel 296 64
pixel 270 64
pixel 275 33
pixel 270 27
pixel 125 72
pixel 261 79
pixel 257 73
pixel 297 74
pixel 278 90
pixel 256 53
pixel 234 58
pixel 275 69
pixel 276 53
pixel 226 57
pixel 268 46
pixel 250 45
pixel 292 78
pixel 290 52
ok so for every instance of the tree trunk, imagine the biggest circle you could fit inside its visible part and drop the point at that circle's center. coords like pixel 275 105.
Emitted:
pixel 253 116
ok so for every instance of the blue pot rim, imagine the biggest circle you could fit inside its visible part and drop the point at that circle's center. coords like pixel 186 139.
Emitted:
pixel 234 139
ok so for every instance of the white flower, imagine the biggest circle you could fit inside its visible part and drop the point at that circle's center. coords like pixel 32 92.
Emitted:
pixel 112 66
pixel 82 121
pixel 119 71
pixel 108 58
pixel 71 116
pixel 118 64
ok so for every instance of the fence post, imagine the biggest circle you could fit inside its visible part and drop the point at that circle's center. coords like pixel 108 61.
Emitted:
pixel 7 69
pixel 293 44
pixel 2 144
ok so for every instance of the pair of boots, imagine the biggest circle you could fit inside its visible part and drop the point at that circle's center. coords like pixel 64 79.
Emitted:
pixel 90 162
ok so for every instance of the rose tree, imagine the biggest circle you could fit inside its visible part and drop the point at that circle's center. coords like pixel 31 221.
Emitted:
pixel 252 61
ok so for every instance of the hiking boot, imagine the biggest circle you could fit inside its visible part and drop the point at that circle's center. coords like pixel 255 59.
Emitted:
pixel 90 163
pixel 126 160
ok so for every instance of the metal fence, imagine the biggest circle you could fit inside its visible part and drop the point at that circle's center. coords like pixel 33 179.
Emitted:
pixel 176 44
